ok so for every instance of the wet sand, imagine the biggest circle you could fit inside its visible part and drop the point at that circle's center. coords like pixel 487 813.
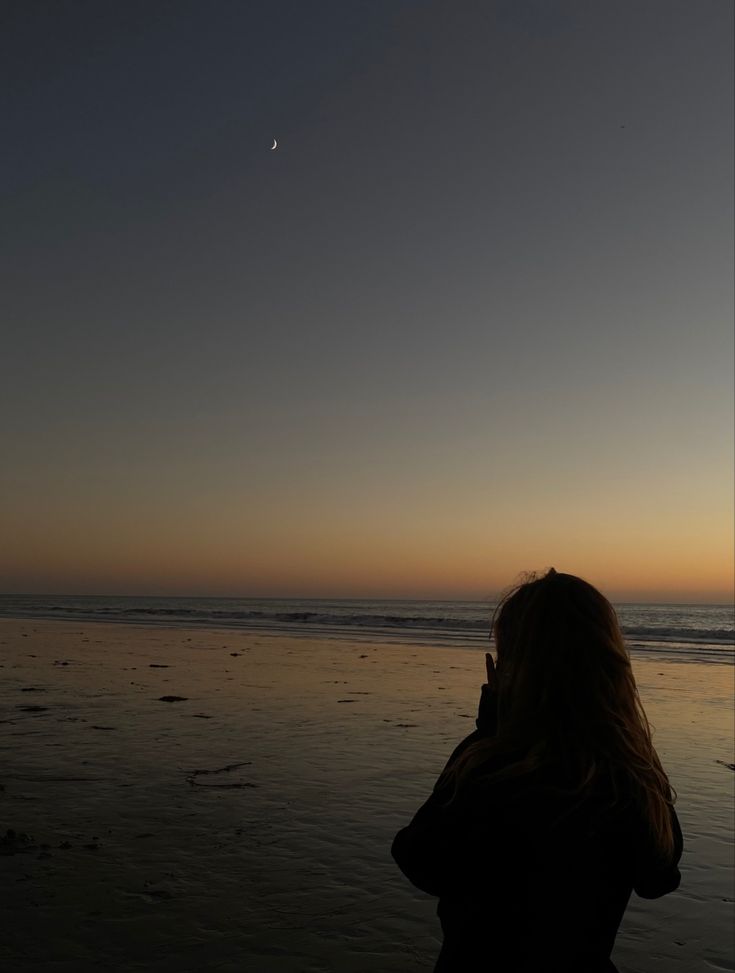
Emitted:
pixel 245 822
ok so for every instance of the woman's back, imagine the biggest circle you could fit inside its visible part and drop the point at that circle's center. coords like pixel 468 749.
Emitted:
pixel 530 878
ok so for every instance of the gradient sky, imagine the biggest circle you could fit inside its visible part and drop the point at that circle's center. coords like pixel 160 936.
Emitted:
pixel 473 316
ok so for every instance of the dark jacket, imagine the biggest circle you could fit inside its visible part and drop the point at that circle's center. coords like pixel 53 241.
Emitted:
pixel 529 879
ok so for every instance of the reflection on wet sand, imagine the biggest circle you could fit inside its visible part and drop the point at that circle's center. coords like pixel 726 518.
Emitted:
pixel 246 822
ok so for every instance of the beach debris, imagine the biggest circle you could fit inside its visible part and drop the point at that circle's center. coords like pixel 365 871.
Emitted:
pixel 224 770
pixel 200 716
pixel 346 700
pixel 32 709
pixel 362 656
pixel 193 782
pixel 16 842
pixel 406 725
pixel 33 689
pixel 149 893
pixel 157 665
pixel 60 662
pixel 172 699
pixel 729 766
pixel 104 727
pixel 157 894
pixel 235 654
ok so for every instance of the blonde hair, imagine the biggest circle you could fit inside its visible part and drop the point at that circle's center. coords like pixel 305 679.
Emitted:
pixel 567 695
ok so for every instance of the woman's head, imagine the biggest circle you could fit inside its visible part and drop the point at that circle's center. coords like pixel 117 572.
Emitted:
pixel 563 667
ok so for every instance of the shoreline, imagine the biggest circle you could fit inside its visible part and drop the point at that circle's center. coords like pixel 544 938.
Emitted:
pixel 718 653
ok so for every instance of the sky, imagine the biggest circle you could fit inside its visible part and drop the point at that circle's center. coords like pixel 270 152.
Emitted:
pixel 473 316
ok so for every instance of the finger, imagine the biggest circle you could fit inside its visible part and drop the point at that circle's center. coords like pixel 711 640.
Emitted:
pixel 490 667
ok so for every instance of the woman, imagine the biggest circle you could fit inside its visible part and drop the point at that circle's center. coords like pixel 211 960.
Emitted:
pixel 557 807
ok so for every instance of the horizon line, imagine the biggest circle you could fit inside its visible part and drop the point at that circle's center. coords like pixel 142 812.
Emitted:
pixel 345 598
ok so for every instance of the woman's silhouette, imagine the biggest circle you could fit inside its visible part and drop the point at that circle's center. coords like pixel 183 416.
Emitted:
pixel 557 807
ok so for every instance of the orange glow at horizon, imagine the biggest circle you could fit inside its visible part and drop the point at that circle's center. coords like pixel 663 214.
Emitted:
pixel 292 550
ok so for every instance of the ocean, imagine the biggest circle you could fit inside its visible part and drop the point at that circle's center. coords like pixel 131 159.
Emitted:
pixel 694 633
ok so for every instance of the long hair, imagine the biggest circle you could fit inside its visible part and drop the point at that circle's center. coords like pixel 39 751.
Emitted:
pixel 567 697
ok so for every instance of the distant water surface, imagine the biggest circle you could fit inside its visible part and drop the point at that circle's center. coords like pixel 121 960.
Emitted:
pixel 701 633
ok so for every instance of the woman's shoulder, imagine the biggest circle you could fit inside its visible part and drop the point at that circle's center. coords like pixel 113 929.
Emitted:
pixel 554 796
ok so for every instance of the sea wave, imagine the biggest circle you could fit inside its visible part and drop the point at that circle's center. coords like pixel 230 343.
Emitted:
pixel 716 636
pixel 472 625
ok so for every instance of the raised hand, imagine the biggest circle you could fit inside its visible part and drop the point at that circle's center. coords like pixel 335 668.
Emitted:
pixel 487 715
pixel 492 673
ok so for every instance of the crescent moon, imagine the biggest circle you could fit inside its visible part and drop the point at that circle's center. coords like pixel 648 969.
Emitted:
pixel 275 145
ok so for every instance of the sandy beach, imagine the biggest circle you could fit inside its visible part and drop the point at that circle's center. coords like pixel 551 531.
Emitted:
pixel 180 799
